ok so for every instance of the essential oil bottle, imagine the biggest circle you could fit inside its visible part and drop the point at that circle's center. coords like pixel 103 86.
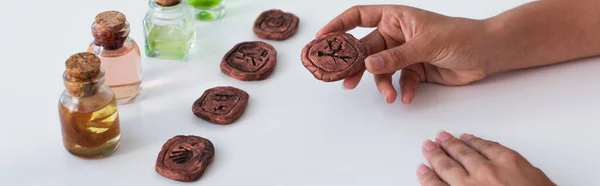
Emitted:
pixel 208 10
pixel 169 29
pixel 88 109
pixel 119 53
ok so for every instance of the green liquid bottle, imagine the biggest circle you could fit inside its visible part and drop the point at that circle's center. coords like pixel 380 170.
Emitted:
pixel 169 30
pixel 207 10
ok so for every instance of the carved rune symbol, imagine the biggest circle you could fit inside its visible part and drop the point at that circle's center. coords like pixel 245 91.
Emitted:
pixel 220 108
pixel 334 45
pixel 181 155
pixel 252 55
pixel 220 98
pixel 275 20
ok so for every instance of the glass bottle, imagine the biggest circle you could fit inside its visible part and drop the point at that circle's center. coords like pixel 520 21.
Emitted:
pixel 169 29
pixel 208 10
pixel 120 55
pixel 88 109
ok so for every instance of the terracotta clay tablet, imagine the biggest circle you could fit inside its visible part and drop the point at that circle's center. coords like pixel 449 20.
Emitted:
pixel 250 61
pixel 276 25
pixel 334 56
pixel 221 105
pixel 185 158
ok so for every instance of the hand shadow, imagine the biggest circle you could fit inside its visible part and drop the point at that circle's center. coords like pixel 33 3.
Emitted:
pixel 430 96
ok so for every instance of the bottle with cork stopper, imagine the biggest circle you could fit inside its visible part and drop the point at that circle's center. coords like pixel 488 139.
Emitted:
pixel 169 30
pixel 88 109
pixel 208 10
pixel 119 53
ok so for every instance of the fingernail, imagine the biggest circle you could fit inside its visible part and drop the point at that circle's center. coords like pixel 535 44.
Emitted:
pixel 422 169
pixel 375 63
pixel 318 33
pixel 429 145
pixel 344 86
pixel 466 137
pixel 443 136
pixel 406 100
pixel 386 97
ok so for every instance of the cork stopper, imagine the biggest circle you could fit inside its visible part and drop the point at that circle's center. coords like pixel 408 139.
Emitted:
pixel 83 66
pixel 83 75
pixel 167 2
pixel 111 21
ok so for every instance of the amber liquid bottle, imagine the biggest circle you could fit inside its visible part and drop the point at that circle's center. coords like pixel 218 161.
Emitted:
pixel 119 53
pixel 88 109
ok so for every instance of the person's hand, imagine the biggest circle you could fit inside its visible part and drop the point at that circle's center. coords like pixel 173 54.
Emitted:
pixel 474 161
pixel 426 46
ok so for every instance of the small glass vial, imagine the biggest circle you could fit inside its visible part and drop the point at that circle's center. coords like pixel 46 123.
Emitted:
pixel 88 109
pixel 208 10
pixel 119 53
pixel 169 29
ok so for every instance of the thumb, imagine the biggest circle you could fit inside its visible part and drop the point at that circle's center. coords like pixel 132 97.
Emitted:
pixel 394 59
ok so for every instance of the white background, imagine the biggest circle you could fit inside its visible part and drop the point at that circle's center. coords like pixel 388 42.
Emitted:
pixel 296 129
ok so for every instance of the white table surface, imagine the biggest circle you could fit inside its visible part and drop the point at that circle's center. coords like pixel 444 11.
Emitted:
pixel 296 131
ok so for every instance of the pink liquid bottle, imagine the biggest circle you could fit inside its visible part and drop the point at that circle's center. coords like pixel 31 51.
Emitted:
pixel 119 54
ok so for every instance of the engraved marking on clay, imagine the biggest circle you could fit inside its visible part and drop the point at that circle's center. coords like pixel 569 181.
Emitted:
pixel 334 45
pixel 220 103
pixel 181 155
pixel 332 54
pixel 276 23
pixel 222 97
pixel 249 59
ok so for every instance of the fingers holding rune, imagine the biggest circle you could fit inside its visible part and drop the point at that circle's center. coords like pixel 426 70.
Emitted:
pixel 405 38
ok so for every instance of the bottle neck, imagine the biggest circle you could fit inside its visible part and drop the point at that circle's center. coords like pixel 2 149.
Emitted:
pixel 169 12
pixel 78 88
pixel 110 39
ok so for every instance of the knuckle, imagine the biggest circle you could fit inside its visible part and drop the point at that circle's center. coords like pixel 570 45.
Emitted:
pixel 538 170
pixel 489 172
pixel 490 144
pixel 462 153
pixel 398 57
pixel 456 147
pixel 357 8
pixel 487 145
pixel 474 140
pixel 444 164
pixel 509 156
pixel 429 177
pixel 452 171
pixel 434 154
pixel 487 169
pixel 393 22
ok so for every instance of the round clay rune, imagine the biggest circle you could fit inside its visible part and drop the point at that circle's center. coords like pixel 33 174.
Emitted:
pixel 185 158
pixel 334 56
pixel 221 105
pixel 276 25
pixel 250 61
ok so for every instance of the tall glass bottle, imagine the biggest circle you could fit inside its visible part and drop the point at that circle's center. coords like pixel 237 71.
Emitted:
pixel 120 55
pixel 208 10
pixel 88 109
pixel 169 29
